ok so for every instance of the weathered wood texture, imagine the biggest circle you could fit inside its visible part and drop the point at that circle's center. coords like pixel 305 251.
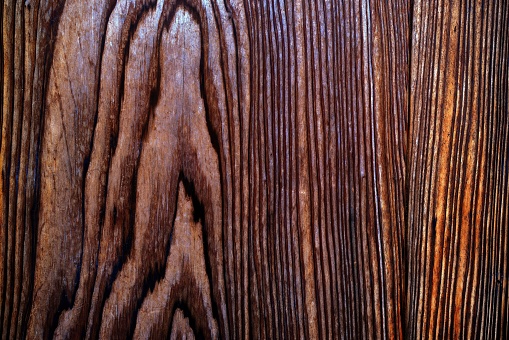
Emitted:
pixel 458 223
pixel 254 169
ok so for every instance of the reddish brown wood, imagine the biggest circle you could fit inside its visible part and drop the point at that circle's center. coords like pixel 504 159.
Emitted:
pixel 254 169
pixel 458 185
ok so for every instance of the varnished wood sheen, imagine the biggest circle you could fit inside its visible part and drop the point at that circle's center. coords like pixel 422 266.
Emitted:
pixel 254 169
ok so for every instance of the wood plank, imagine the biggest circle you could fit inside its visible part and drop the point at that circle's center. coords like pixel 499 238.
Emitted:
pixel 254 169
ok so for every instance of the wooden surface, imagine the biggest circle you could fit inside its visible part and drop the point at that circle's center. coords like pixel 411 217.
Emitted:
pixel 254 169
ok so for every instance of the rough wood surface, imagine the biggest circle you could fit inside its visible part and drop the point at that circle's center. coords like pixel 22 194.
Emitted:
pixel 254 169
pixel 458 221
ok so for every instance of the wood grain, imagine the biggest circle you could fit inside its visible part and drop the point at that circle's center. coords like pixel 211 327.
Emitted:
pixel 457 216
pixel 254 169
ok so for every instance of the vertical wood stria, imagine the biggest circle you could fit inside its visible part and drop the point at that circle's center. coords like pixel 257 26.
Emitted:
pixel 254 169
pixel 326 167
pixel 458 182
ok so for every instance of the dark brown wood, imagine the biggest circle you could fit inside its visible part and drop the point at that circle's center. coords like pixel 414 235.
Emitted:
pixel 254 169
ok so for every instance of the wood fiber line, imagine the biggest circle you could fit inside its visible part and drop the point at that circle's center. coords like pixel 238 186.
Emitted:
pixel 28 32
pixel 263 169
pixel 327 168
pixel 457 215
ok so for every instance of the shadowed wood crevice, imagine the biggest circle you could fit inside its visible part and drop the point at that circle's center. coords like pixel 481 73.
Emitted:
pixel 185 283
pixel 180 328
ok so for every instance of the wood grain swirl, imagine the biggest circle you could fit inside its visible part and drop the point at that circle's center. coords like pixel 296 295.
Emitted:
pixel 263 169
